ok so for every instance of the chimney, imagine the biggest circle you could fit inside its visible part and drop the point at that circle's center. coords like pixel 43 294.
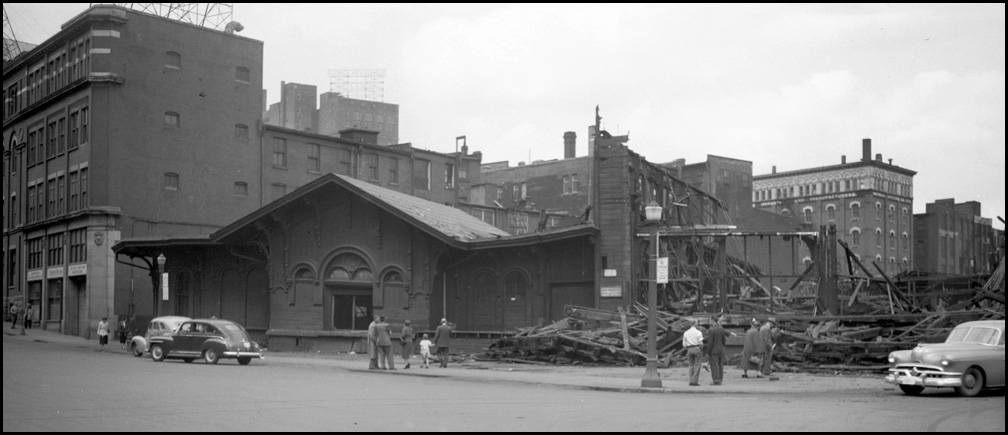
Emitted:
pixel 865 150
pixel 774 171
pixel 591 140
pixel 890 162
pixel 878 157
pixel 843 160
pixel 465 150
pixel 569 140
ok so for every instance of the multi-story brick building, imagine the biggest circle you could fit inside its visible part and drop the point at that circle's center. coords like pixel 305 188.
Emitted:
pixel 296 109
pixel 954 239
pixel 122 124
pixel 301 108
pixel 869 201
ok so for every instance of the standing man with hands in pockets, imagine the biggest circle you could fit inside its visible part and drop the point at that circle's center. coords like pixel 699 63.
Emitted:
pixel 442 339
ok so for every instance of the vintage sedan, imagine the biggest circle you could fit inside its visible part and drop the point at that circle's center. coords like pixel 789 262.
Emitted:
pixel 158 326
pixel 971 358
pixel 209 339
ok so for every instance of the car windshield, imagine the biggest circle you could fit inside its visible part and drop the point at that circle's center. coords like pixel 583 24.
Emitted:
pixel 975 334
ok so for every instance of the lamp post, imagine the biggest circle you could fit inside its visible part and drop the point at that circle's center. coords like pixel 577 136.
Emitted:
pixel 155 274
pixel 651 378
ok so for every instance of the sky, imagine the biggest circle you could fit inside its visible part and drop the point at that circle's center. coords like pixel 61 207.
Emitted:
pixel 792 86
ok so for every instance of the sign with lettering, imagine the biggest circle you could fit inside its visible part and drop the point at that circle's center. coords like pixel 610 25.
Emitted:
pixel 77 269
pixel 54 272
pixel 661 270
pixel 612 291
pixel 35 275
pixel 164 286
pixel 609 273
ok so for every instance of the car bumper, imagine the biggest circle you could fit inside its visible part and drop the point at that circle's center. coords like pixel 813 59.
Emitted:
pixel 911 377
pixel 243 354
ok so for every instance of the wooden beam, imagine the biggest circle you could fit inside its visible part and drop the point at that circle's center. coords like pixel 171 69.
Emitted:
pixel 853 257
pixel 856 290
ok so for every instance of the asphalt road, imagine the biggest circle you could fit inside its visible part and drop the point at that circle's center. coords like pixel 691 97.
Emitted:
pixel 63 387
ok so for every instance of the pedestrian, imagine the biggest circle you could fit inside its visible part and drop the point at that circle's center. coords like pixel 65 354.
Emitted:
pixel 103 333
pixel 13 315
pixel 750 349
pixel 768 337
pixel 425 346
pixel 28 317
pixel 407 342
pixel 442 339
pixel 122 333
pixel 372 351
pixel 383 341
pixel 717 338
pixel 692 341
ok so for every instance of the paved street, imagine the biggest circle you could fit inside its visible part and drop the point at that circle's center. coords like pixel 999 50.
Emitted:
pixel 58 383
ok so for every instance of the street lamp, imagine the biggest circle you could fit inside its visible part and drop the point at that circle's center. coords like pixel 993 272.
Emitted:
pixel 652 379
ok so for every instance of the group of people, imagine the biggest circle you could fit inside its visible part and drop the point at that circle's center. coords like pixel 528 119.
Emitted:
pixel 14 314
pixel 380 344
pixel 757 354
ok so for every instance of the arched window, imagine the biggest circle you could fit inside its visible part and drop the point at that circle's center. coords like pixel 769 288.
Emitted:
pixel 904 216
pixel 892 240
pixel 856 237
pixel 304 284
pixel 906 242
pixel 515 287
pixel 831 213
pixel 878 238
pixel 892 214
pixel 484 287
pixel 878 211
pixel 808 214
pixel 785 212
pixel 394 289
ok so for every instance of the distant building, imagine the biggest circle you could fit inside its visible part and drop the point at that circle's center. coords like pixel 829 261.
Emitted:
pixel 301 108
pixel 869 201
pixel 954 239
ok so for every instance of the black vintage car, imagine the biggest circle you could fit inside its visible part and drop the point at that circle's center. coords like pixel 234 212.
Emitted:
pixel 210 339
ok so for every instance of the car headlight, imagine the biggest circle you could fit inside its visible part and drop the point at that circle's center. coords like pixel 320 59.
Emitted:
pixel 945 361
pixel 892 360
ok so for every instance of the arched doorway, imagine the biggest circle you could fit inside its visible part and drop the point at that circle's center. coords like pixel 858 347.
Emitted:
pixel 349 283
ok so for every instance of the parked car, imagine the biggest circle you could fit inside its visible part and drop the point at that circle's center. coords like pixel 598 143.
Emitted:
pixel 971 358
pixel 158 326
pixel 210 339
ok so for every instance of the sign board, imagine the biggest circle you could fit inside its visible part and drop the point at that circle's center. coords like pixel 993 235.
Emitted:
pixel 661 270
pixel 164 286
pixel 612 291
pixel 54 272
pixel 77 269
pixel 609 273
pixel 35 275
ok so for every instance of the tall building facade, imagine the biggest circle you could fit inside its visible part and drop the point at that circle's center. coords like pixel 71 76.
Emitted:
pixel 122 124
pixel 954 239
pixel 296 109
pixel 301 108
pixel 869 201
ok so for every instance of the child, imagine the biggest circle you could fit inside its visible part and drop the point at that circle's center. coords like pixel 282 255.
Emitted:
pixel 425 345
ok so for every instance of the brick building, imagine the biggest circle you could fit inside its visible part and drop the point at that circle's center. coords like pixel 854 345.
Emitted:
pixel 301 108
pixel 954 239
pixel 869 201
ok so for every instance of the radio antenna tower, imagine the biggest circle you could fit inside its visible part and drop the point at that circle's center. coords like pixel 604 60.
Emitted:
pixel 11 46
pixel 211 15
pixel 360 84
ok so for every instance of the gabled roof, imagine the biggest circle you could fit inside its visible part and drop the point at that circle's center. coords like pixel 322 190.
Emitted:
pixel 448 224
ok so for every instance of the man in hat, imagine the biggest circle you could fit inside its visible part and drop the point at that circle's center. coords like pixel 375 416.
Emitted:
pixel 767 336
pixel 442 339
pixel 752 348
pixel 372 339
pixel 717 338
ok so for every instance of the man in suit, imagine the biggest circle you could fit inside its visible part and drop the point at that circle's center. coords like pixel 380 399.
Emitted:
pixel 768 338
pixel 383 341
pixel 716 340
pixel 442 339
pixel 372 350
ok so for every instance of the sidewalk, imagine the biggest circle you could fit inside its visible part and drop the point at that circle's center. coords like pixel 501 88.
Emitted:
pixel 613 379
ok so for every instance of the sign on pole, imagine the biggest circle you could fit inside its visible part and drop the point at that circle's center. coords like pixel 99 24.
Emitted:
pixel 662 270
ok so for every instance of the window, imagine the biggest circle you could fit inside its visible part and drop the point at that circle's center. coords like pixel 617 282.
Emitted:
pixel 892 240
pixel 808 215
pixel 56 242
pixel 84 188
pixel 51 138
pixel 904 216
pixel 34 253
pixel 314 158
pixel 39 200
pixel 371 163
pixel 906 242
pixel 344 162
pixel 171 181
pixel 173 60
pixel 422 174
pixel 279 190
pixel 878 238
pixel 61 195
pixel 500 193
pixel 242 75
pixel 515 287
pixel 856 238
pixel 449 174
pixel 61 132
pixel 831 213
pixel 78 245
pixel 892 214
pixel 574 183
pixel 240 188
pixel 855 211
pixel 55 307
pixel 515 192
pixel 280 152
pixel 171 120
pixel 463 172
pixel 51 207
pixel 11 265
pixel 393 170
pixel 241 132
pixel 31 203
pixel 878 211
pixel 566 184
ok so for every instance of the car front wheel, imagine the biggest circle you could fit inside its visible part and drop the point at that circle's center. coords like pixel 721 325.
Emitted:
pixel 244 360
pixel 136 350
pixel 157 353
pixel 210 356
pixel 912 390
pixel 972 382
